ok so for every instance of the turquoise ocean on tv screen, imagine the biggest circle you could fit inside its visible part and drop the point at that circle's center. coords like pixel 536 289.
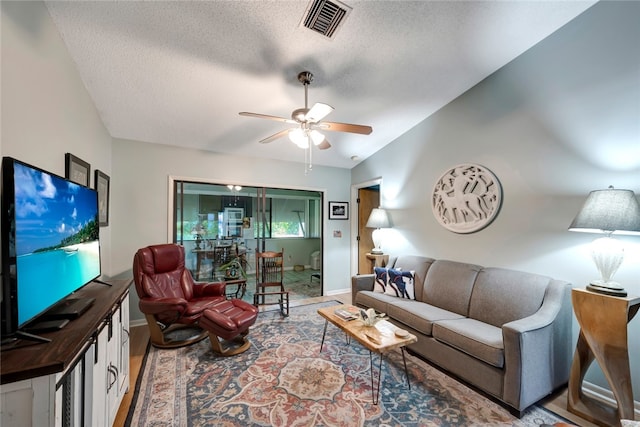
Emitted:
pixel 46 277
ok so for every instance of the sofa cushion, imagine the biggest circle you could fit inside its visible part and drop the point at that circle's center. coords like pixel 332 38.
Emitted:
pixel 448 285
pixel 374 300
pixel 501 296
pixel 417 315
pixel 418 264
pixel 478 339
pixel 401 284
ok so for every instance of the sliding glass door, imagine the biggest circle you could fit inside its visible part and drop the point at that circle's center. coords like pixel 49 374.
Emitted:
pixel 207 216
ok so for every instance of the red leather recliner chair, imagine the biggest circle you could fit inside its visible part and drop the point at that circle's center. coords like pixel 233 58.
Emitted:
pixel 169 297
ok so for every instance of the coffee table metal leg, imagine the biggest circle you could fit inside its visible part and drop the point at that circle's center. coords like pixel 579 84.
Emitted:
pixel 375 391
pixel 404 360
pixel 324 332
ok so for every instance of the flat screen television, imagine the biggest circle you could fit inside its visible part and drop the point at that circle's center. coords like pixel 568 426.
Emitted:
pixel 50 242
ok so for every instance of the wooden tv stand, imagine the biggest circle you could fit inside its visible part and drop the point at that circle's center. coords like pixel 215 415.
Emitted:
pixel 85 366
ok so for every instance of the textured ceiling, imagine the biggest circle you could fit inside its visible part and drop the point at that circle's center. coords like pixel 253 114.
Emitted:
pixel 178 73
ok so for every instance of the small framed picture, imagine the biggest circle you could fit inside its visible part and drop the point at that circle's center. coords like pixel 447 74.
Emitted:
pixel 77 170
pixel 338 210
pixel 101 182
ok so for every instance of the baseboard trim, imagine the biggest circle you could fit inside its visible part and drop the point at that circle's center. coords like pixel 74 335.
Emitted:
pixel 338 291
pixel 606 396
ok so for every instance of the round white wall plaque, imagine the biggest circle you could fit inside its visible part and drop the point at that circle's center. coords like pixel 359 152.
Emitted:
pixel 466 198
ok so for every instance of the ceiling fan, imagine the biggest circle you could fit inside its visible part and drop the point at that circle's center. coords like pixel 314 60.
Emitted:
pixel 309 122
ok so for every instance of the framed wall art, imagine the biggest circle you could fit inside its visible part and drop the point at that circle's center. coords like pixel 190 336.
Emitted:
pixel 338 210
pixel 466 198
pixel 101 183
pixel 77 170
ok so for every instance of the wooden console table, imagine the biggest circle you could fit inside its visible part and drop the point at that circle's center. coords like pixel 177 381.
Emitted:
pixel 603 335
pixel 377 260
pixel 81 375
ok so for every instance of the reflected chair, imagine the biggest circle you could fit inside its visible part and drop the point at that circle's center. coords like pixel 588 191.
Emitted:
pixel 169 297
pixel 270 280
pixel 314 276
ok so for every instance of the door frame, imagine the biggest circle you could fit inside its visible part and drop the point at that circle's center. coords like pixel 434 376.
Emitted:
pixel 354 224
pixel 171 179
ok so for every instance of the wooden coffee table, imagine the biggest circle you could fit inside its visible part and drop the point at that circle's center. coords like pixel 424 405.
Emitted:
pixel 380 339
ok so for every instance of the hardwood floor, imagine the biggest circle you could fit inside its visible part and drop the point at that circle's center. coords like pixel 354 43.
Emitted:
pixel 140 337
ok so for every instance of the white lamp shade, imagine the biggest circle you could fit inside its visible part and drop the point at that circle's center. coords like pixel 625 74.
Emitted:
pixel 378 218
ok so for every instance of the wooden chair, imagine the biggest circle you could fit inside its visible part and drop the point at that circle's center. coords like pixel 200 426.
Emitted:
pixel 270 280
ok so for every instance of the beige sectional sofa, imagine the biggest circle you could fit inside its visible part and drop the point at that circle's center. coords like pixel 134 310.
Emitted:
pixel 503 331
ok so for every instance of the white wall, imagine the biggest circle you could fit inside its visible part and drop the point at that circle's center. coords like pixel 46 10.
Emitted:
pixel 46 110
pixel 559 121
pixel 140 191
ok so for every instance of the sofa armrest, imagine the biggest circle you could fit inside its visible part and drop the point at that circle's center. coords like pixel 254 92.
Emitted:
pixel 537 349
pixel 361 282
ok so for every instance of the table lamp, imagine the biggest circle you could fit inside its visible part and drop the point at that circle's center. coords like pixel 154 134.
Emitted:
pixel 377 219
pixel 609 211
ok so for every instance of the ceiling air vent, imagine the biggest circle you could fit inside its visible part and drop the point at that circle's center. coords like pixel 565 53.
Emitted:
pixel 325 17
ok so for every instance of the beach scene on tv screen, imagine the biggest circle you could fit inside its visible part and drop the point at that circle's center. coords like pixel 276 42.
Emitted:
pixel 56 239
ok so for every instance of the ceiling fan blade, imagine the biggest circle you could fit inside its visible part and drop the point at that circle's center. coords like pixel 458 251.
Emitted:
pixel 346 127
pixel 267 116
pixel 274 136
pixel 318 112
pixel 324 145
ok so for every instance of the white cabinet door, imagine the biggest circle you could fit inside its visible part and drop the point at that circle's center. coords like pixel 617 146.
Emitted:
pixel 28 403
pixel 123 362
pixel 99 380
pixel 113 371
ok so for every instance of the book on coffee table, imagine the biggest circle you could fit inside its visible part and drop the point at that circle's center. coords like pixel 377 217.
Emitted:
pixel 345 313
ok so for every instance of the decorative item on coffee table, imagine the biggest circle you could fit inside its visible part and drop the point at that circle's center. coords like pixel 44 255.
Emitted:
pixel 370 317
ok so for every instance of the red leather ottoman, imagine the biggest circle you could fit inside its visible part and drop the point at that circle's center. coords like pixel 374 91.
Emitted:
pixel 229 320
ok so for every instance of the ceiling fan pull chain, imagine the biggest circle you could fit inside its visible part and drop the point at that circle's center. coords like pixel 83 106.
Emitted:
pixel 306 164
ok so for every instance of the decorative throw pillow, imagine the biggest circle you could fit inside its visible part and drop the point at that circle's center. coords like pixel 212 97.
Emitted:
pixel 381 280
pixel 401 284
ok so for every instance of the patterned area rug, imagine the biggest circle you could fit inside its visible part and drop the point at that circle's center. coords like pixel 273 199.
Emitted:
pixel 283 380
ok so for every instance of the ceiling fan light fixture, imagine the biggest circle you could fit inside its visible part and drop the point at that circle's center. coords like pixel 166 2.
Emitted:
pixel 298 137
